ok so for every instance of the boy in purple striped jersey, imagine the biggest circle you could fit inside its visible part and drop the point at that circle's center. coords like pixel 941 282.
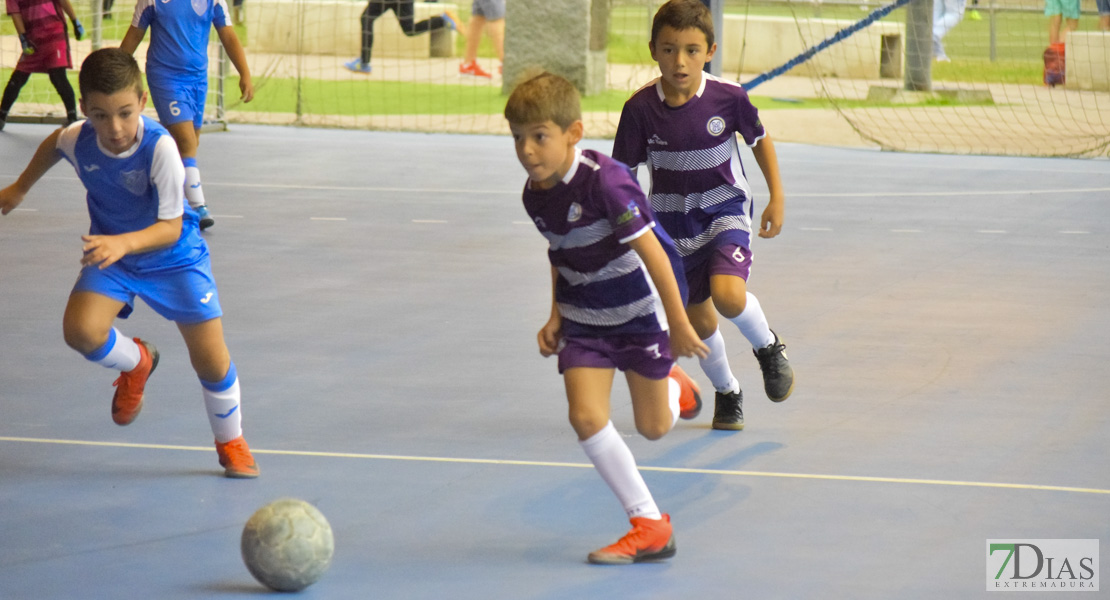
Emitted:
pixel 615 297
pixel 682 126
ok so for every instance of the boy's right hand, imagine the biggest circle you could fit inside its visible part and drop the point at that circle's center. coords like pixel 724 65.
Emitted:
pixel 28 47
pixel 685 341
pixel 550 336
pixel 10 197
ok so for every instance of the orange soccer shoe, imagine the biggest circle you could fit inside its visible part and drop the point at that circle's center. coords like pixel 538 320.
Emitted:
pixel 236 459
pixel 650 539
pixel 473 68
pixel 128 400
pixel 689 402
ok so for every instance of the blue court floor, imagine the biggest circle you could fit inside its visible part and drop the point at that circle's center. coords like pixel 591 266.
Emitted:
pixel 947 318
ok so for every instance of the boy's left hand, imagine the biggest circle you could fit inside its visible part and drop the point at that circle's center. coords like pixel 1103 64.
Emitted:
pixel 771 223
pixel 103 250
pixel 10 197
pixel 246 88
pixel 685 341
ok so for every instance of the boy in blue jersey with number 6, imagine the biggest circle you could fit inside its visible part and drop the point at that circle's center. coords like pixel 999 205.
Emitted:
pixel 177 73
pixel 143 241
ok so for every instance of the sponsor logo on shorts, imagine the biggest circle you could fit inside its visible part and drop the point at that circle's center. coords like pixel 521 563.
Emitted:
pixel 207 297
pixel 90 168
pixel 715 126
pixel 655 139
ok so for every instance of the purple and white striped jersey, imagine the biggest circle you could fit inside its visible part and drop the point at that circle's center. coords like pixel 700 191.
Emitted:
pixel 588 218
pixel 698 189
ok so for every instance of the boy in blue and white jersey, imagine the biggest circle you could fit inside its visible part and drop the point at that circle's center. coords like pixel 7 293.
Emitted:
pixel 615 299
pixel 177 73
pixel 683 126
pixel 142 242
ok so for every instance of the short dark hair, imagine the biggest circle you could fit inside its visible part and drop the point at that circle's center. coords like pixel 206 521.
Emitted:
pixel 544 97
pixel 684 14
pixel 109 70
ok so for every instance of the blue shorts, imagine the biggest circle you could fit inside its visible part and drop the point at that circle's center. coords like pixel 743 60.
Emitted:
pixel 1068 8
pixel 726 259
pixel 648 354
pixel 185 295
pixel 178 102
pixel 492 10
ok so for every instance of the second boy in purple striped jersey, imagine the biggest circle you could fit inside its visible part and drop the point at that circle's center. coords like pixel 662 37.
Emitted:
pixel 683 126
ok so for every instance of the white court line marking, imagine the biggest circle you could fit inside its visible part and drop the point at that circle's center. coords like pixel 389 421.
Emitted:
pixel 327 218
pixel 522 222
pixel 815 228
pixel 438 221
pixel 25 210
pixel 905 231
pixel 227 216
pixel 363 188
pixel 995 231
pixel 533 463
pixel 936 194
pixel 1074 232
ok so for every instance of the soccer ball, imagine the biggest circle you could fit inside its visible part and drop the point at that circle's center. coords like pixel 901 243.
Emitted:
pixel 287 545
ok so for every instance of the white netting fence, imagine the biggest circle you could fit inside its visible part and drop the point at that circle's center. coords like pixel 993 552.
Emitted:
pixel 988 96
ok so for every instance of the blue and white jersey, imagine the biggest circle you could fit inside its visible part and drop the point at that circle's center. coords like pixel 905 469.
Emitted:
pixel 133 190
pixel 588 218
pixel 698 189
pixel 179 30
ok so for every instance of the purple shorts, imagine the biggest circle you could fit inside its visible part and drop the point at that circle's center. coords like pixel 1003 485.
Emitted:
pixel 648 354
pixel 727 259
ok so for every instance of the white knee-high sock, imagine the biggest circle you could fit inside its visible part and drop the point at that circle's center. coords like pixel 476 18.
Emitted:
pixel 119 352
pixel 614 462
pixel 753 324
pixel 673 392
pixel 715 366
pixel 194 193
pixel 221 400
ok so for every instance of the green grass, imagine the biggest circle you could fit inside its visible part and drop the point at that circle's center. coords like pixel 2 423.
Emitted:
pixel 400 98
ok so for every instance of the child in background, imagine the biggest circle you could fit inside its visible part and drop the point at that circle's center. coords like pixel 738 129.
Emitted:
pixel 177 73
pixel 405 11
pixel 142 242
pixel 42 34
pixel 615 295
pixel 683 125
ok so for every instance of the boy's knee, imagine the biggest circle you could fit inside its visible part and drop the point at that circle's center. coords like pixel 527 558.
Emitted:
pixel 82 338
pixel 654 431
pixel 731 306
pixel 587 423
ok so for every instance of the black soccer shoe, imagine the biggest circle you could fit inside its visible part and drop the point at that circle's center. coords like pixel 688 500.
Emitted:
pixel 778 376
pixel 729 412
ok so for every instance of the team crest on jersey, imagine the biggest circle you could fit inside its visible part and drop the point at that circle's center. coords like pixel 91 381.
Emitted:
pixel 574 213
pixel 136 182
pixel 716 126
pixel 200 7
